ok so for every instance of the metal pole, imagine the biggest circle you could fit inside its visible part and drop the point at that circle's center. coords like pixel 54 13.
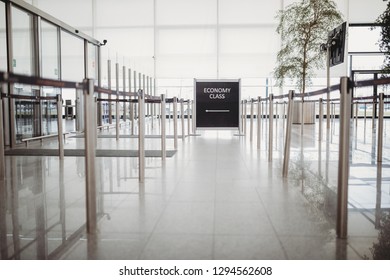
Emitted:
pixel 109 87
pixel 328 88
pixel 193 117
pixel 163 129
pixel 2 157
pixel 320 118
pixel 148 93
pixel 365 114
pixel 245 115
pixel 117 117
pixel 380 127
pixel 284 115
pixel 90 155
pixel 183 133
pixel 59 125
pixel 242 116
pixel 356 115
pixel 343 168
pixel 251 125
pixel 302 113
pixel 131 105
pixel 141 135
pixel 258 122
pixel 124 97
pixel 188 116
pixel 175 122
pixel 271 131
pixel 287 144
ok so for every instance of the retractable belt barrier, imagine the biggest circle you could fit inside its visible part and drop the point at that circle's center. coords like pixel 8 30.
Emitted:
pixel 345 101
pixel 138 98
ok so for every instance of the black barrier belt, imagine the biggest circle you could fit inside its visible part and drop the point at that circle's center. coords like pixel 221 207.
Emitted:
pixel 152 101
pixel 27 97
pixel 35 81
pixel 375 82
pixel 169 100
pixel 114 92
pixel 281 96
pixel 115 100
pixel 366 97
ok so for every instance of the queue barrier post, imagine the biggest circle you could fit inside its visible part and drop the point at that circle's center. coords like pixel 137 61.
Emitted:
pixel 90 155
pixel 175 123
pixel 59 127
pixel 141 135
pixel 380 127
pixel 163 128
pixel 287 145
pixel 271 126
pixel 343 169
pixel 259 119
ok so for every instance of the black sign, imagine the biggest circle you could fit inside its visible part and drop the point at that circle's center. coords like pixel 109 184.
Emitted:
pixel 217 103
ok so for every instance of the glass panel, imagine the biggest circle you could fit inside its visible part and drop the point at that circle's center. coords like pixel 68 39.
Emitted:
pixel 26 111
pixel 49 45
pixel 72 69
pixel 50 69
pixel 92 62
pixel 3 39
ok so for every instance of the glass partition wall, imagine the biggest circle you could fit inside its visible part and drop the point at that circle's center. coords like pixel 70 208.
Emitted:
pixel 34 43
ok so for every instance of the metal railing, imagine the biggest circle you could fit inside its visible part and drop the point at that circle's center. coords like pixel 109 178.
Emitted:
pixel 346 115
pixel 90 124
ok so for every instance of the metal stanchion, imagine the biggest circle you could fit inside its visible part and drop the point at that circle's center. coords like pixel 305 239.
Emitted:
pixel 109 87
pixel 163 129
pixel 343 169
pixel 194 117
pixel 251 125
pixel 124 97
pixel 245 115
pixel 175 122
pixel 183 133
pixel 333 112
pixel 141 135
pixel 356 116
pixel 2 157
pixel 302 114
pixel 188 116
pixel 90 155
pixel 259 118
pixel 117 117
pixel 287 144
pixel 59 125
pixel 242 116
pixel 320 119
pixel 365 114
pixel 380 127
pixel 271 130
pixel 284 115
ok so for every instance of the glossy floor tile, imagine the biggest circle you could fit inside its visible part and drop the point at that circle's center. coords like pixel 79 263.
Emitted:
pixel 218 197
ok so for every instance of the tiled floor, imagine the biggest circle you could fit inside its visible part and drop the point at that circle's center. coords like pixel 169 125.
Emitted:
pixel 217 198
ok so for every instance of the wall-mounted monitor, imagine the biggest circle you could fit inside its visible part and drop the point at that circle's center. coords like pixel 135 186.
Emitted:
pixel 336 42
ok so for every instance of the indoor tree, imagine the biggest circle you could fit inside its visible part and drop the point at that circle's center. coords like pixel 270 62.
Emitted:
pixel 384 43
pixel 303 27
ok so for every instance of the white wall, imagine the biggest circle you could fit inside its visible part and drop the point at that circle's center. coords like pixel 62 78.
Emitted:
pixel 178 40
